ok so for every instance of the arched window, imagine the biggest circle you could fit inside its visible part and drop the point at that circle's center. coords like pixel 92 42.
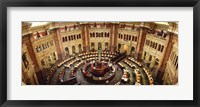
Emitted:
pixel 72 37
pixel 69 38
pixel 91 35
pixel 145 54
pixel 97 35
pixel 162 48
pixel 108 34
pixel 159 46
pixel 75 37
pixel 43 47
pixel 129 37
pixel 133 38
pixel 151 44
pixel 65 38
pixel 136 39
pixel 79 36
pixel 156 46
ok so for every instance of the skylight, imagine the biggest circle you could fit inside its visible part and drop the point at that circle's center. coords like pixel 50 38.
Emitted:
pixel 38 23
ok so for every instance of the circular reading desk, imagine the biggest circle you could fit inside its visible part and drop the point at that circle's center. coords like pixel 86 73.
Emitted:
pixel 98 72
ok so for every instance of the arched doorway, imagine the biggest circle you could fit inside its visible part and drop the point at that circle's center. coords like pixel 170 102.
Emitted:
pixel 106 46
pixel 92 46
pixel 73 49
pixel 132 50
pixel 119 47
pixel 79 48
pixel 99 46
pixel 66 51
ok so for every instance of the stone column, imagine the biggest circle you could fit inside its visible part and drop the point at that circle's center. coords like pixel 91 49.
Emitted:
pixel 28 40
pixel 140 43
pixel 88 38
pixel 116 26
pixel 58 42
pixel 84 37
pixel 113 37
pixel 33 66
pixel 166 54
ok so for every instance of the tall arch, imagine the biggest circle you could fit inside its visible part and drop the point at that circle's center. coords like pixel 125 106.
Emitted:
pixel 99 45
pixel 79 48
pixel 73 49
pixel 119 46
pixel 132 49
pixel 66 51
pixel 93 46
pixel 106 46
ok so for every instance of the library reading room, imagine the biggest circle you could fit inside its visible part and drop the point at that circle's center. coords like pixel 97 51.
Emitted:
pixel 99 53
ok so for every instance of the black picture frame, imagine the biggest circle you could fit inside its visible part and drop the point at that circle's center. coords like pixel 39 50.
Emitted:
pixel 99 3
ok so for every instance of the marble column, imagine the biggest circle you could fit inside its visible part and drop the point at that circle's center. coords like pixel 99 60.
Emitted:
pixel 141 40
pixel 58 42
pixel 113 37
pixel 84 37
